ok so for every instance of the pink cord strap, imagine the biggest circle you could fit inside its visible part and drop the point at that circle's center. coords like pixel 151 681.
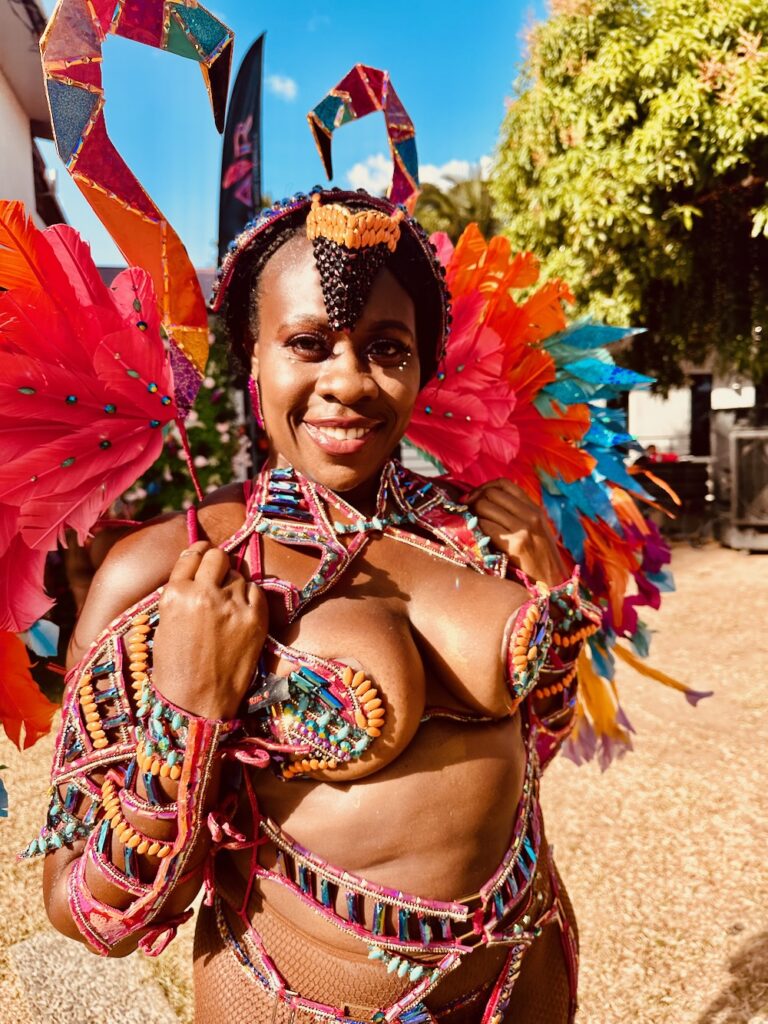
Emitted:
pixel 193 526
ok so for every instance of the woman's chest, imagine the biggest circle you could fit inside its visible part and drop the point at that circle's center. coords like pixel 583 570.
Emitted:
pixel 397 611
pixel 399 632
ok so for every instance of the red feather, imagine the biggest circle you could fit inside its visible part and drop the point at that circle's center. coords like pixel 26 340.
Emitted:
pixel 22 598
pixel 482 422
pixel 20 244
pixel 85 390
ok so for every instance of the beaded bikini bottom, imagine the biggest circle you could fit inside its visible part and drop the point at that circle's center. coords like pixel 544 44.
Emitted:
pixel 416 940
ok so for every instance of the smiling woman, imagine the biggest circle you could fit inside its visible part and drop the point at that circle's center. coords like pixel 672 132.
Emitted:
pixel 335 403
pixel 353 668
pixel 327 695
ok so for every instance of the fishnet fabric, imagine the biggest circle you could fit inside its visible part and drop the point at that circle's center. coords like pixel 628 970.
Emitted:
pixel 225 993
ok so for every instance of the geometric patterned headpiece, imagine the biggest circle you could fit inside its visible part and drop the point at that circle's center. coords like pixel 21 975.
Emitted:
pixel 353 233
pixel 71 48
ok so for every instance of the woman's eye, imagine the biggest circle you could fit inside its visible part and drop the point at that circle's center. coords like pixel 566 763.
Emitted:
pixel 307 346
pixel 388 352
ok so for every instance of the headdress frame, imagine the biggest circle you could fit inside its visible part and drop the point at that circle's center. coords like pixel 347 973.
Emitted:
pixel 424 280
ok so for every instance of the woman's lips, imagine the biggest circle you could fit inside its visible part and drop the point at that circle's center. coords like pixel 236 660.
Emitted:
pixel 338 439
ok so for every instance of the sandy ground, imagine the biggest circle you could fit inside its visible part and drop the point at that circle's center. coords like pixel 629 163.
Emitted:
pixel 664 854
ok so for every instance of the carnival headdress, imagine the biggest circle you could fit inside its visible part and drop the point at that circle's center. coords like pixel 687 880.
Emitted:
pixel 353 234
pixel 87 384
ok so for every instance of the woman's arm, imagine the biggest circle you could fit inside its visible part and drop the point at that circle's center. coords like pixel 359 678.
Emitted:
pixel 205 650
pixel 520 528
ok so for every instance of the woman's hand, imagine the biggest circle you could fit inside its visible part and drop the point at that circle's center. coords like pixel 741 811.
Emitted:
pixel 519 528
pixel 211 631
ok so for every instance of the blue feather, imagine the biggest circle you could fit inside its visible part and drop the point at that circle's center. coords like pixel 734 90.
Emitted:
pixel 602 658
pixel 663 579
pixel 589 334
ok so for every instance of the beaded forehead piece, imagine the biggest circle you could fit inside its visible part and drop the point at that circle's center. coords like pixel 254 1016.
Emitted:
pixel 350 249
pixel 353 234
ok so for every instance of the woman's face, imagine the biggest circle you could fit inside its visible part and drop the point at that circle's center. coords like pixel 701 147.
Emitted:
pixel 335 403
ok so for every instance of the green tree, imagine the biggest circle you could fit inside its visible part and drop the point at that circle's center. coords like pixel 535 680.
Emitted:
pixel 451 210
pixel 633 160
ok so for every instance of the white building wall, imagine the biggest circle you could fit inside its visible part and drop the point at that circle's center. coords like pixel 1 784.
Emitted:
pixel 665 422
pixel 16 177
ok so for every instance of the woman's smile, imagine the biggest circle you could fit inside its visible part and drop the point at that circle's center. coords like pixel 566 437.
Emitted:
pixel 341 436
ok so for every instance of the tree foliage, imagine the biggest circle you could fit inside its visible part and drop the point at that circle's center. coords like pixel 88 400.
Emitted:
pixel 633 160
pixel 452 210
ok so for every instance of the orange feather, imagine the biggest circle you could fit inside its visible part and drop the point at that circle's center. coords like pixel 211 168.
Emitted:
pixel 19 248
pixel 25 712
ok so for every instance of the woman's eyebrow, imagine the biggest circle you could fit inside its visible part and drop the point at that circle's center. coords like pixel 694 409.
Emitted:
pixel 304 322
pixel 389 325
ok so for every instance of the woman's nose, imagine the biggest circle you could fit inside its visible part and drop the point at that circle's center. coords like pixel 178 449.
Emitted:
pixel 346 377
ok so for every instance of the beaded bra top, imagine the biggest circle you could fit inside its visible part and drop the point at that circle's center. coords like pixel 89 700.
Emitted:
pixel 324 713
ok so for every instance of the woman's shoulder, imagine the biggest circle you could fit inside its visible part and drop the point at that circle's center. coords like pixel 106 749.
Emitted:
pixel 141 560
pixel 145 556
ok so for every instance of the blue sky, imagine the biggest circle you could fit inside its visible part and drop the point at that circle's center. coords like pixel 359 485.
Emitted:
pixel 452 64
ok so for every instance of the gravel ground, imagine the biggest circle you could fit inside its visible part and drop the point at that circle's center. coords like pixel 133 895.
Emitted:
pixel 663 855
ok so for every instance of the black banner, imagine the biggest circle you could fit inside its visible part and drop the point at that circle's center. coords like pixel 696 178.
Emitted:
pixel 240 195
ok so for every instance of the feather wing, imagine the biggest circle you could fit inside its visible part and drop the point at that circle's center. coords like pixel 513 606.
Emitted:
pixel 85 392
pixel 542 422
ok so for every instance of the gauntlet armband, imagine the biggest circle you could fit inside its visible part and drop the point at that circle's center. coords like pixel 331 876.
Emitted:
pixel 114 727
pixel 543 640
pixel 104 926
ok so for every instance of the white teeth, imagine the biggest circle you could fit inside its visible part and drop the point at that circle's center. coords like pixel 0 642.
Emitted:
pixel 344 433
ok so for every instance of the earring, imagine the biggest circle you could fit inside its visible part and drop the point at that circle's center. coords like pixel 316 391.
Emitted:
pixel 253 391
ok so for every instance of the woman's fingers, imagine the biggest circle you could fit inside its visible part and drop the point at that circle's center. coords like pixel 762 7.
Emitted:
pixel 202 563
pixel 235 584
pixel 502 482
pixel 509 498
pixel 507 514
pixel 188 562
pixel 214 567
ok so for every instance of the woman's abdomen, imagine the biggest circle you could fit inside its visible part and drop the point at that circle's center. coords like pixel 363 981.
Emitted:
pixel 435 823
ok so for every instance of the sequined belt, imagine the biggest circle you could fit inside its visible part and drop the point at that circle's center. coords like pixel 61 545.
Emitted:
pixel 404 923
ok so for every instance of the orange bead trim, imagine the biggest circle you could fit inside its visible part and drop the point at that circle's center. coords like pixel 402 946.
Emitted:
pixel 156 765
pixel 558 687
pixel 353 229
pixel 90 713
pixel 571 639
pixel 371 714
pixel 125 832
pixel 138 653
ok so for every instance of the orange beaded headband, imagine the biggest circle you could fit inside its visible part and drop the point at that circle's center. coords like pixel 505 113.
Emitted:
pixel 350 247
pixel 354 229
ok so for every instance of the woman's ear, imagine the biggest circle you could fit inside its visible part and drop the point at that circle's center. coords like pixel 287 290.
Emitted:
pixel 255 362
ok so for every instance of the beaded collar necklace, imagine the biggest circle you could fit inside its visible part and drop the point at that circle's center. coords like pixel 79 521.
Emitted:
pixel 290 509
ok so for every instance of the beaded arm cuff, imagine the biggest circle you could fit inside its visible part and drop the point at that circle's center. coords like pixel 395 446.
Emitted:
pixel 103 926
pixel 543 640
pixel 100 748
pixel 548 636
